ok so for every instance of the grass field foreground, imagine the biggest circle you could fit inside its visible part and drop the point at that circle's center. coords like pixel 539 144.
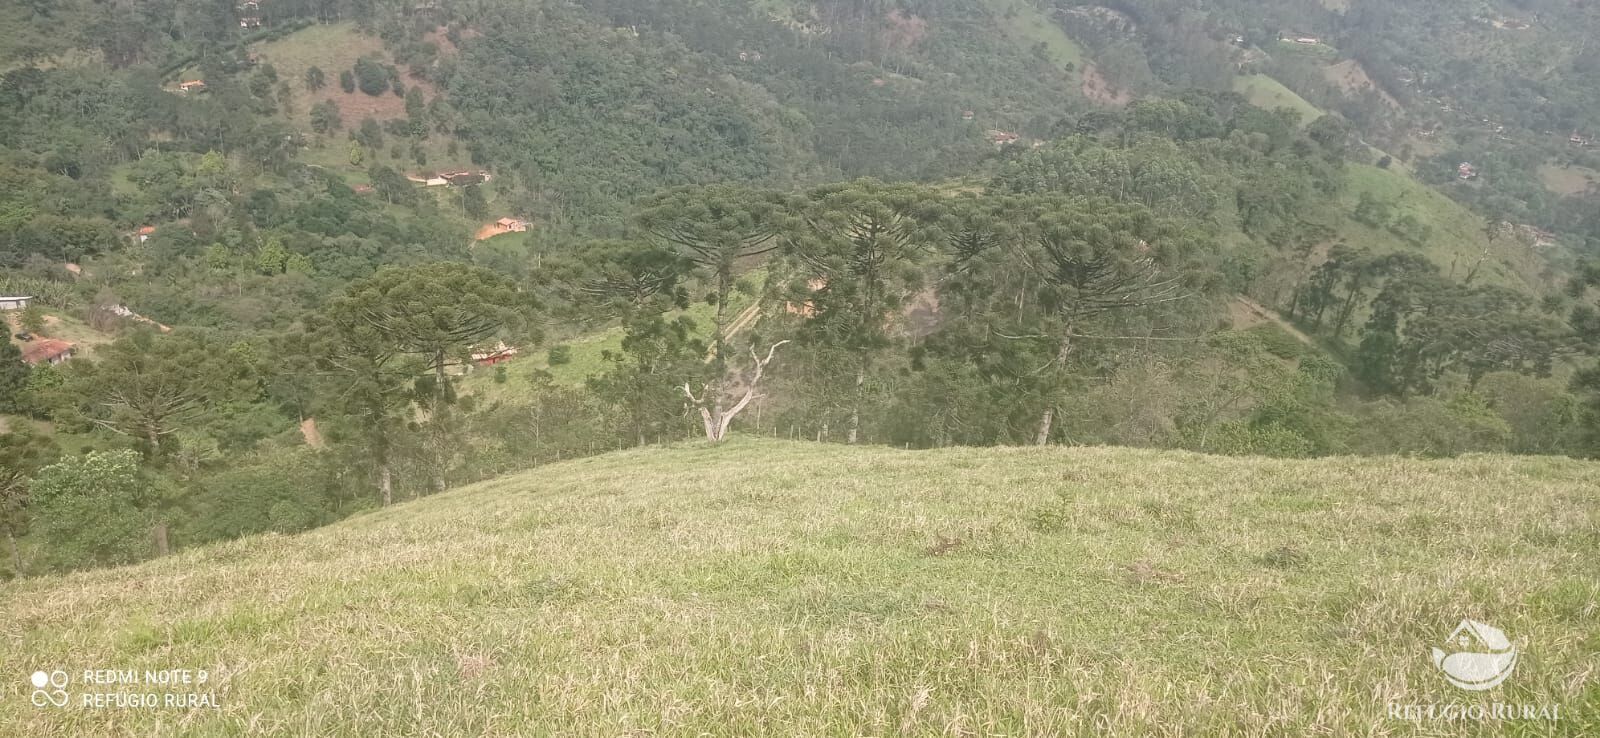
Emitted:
pixel 775 588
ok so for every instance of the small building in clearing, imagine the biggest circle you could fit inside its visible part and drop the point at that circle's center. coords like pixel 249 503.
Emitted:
pixel 499 354
pixel 47 351
pixel 15 302
pixel 250 14
pixel 193 85
pixel 1001 138
pixel 428 180
pixel 1537 236
pixel 463 178
pixel 501 226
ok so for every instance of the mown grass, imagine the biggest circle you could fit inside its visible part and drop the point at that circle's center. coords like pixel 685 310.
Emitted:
pixel 774 588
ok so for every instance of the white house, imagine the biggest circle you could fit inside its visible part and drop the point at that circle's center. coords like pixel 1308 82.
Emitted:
pixel 15 303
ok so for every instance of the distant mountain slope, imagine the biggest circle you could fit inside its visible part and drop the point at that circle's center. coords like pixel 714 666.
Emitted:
pixel 592 106
pixel 771 588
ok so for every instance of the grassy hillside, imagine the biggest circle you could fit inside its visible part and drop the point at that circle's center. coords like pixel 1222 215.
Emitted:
pixel 1031 26
pixel 1457 235
pixel 793 589
pixel 334 48
pixel 1265 92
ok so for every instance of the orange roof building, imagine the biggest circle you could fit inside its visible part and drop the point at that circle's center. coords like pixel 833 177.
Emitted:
pixel 503 225
pixel 47 351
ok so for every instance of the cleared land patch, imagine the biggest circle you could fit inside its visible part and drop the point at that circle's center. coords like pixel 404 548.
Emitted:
pixel 1265 92
pixel 1457 237
pixel 1567 179
pixel 1025 21
pixel 334 48
pixel 1351 77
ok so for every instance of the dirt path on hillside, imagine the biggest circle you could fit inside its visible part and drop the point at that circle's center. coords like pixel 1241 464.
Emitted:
pixel 312 434
pixel 1256 310
pixel 743 320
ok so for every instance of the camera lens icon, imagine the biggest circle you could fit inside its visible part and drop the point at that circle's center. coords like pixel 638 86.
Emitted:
pixel 49 688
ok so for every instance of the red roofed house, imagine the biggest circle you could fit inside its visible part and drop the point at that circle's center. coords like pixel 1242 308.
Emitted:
pixel 503 225
pixel 145 233
pixel 500 354
pixel 47 351
pixel 193 85
pixel 1001 138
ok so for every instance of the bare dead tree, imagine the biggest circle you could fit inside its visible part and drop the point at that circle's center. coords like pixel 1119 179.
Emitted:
pixel 715 412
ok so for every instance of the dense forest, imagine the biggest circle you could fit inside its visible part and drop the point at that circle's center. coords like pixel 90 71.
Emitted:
pixel 309 258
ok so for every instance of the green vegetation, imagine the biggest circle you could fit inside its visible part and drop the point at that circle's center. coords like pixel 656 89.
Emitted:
pixel 765 587
pixel 1265 92
pixel 1456 238
pixel 324 260
pixel 1034 27
pixel 1081 295
pixel 707 260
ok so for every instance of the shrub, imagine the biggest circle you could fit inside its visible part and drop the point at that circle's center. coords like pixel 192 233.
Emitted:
pixel 88 510
pixel 285 492
pixel 371 76
pixel 1275 341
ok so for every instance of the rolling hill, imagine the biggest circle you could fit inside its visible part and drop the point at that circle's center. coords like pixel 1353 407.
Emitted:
pixel 768 587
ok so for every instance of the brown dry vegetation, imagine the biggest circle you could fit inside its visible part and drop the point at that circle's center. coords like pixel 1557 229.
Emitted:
pixel 1351 77
pixel 1565 179
pixel 1100 90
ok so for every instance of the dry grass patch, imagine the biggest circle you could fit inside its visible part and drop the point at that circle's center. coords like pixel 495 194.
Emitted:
pixel 1567 179
pixel 1351 77
pixel 335 47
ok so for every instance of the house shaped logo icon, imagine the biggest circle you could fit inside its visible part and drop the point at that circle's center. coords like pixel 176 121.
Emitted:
pixel 1479 656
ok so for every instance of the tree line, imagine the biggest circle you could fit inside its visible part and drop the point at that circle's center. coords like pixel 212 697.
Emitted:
pixel 887 313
